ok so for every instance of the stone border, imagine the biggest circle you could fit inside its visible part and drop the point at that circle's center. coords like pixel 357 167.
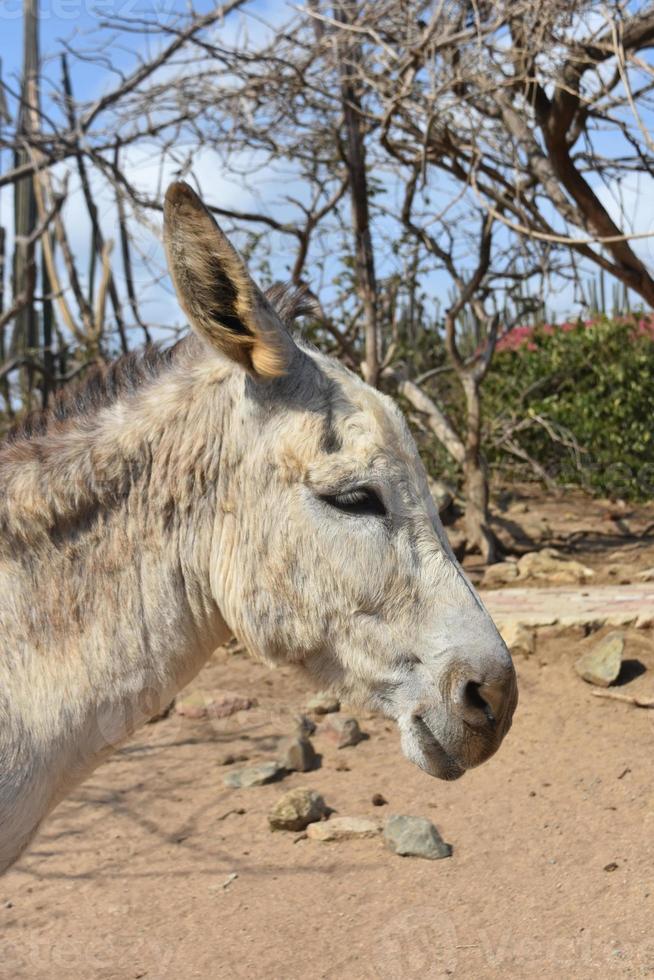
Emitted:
pixel 566 606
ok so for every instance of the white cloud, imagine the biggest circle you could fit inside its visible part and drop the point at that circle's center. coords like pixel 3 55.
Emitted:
pixel 630 203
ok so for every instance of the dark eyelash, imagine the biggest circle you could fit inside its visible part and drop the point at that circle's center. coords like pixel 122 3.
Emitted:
pixel 361 501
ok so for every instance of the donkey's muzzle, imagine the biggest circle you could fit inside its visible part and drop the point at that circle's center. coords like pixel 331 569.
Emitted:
pixel 484 702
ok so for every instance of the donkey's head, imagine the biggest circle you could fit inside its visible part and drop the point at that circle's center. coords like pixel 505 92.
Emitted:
pixel 327 549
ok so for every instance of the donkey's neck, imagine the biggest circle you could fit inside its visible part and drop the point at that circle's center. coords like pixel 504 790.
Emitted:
pixel 106 535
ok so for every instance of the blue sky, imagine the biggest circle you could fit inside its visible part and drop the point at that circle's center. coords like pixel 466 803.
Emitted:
pixel 73 20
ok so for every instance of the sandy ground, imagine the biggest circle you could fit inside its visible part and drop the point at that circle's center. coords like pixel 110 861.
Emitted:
pixel 552 872
pixel 613 538
pixel 127 878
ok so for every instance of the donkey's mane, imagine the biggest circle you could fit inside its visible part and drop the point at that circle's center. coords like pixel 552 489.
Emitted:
pixel 104 384
pixel 101 386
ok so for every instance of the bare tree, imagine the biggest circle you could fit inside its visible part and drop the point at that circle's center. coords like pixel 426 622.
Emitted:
pixel 424 166
pixel 62 320
pixel 514 100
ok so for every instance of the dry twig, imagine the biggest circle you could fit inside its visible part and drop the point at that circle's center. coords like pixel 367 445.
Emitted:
pixel 635 700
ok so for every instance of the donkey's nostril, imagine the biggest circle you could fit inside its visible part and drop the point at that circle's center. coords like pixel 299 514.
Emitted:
pixel 483 696
pixel 474 699
pixel 475 703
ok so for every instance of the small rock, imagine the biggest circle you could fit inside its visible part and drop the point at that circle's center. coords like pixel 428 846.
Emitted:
pixel 191 705
pixel 646 576
pixel 379 800
pixel 343 828
pixel 539 530
pixel 297 809
pixel 645 621
pixel 342 766
pixel 601 665
pixel 551 565
pixel 570 576
pixel 323 704
pixel 616 510
pixel 343 731
pixel 258 775
pixel 228 704
pixel 304 725
pixel 198 704
pixel 520 640
pixel 415 837
pixel 499 574
pixel 297 754
pixel 620 573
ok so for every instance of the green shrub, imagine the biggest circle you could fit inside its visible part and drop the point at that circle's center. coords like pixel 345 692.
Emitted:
pixel 579 400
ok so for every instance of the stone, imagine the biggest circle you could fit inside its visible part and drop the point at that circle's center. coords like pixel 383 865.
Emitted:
pixel 257 775
pixel 601 665
pixel 304 725
pixel 645 621
pixel 343 731
pixel 379 800
pixel 343 828
pixel 572 574
pixel 415 837
pixel 520 640
pixel 225 705
pixel 198 704
pixel 191 705
pixel 323 703
pixel 297 754
pixel 646 576
pixel 297 809
pixel 502 573
pixel 549 564
pixel 620 573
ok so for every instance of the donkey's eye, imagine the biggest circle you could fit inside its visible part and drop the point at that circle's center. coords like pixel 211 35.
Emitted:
pixel 361 501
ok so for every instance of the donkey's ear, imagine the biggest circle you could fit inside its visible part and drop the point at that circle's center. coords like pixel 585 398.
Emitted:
pixel 215 291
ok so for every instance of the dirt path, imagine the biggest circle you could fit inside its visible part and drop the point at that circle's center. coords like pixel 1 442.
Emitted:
pixel 552 873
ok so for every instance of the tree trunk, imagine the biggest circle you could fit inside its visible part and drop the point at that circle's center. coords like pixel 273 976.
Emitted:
pixel 475 478
pixel 47 382
pixel 25 337
pixel 355 153
pixel 4 382
pixel 468 454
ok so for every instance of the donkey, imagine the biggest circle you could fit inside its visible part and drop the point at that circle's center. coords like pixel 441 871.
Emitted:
pixel 241 482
